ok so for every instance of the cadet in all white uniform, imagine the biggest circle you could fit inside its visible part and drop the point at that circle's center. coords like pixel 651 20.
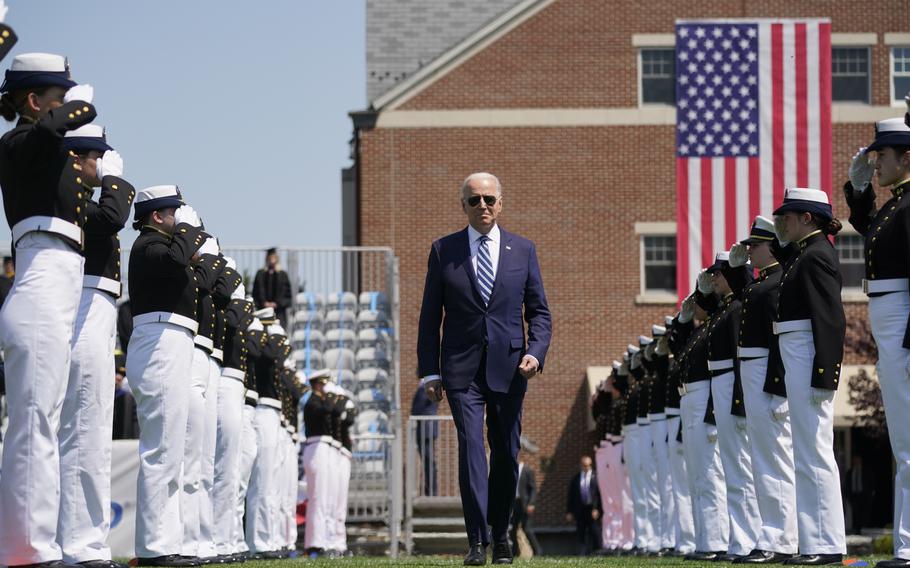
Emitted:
pixel 810 328
pixel 45 205
pixel 887 250
pixel 86 418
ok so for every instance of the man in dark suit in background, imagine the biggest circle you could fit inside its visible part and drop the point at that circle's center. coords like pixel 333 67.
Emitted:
pixel 584 507
pixel 483 284
pixel 272 287
pixel 523 509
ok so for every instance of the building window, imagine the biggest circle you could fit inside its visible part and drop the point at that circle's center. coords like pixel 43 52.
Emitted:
pixel 850 252
pixel 900 73
pixel 659 263
pixel 850 74
pixel 658 76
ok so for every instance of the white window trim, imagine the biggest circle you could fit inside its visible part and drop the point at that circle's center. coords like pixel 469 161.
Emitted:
pixel 651 229
pixel 641 103
pixel 905 45
pixel 852 294
pixel 868 74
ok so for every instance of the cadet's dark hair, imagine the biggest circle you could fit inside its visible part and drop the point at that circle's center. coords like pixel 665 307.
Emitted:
pixel 11 104
pixel 827 226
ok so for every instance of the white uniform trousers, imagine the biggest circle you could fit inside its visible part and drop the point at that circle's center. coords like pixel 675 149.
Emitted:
pixel 341 503
pixel 263 495
pixel 248 451
pixel 604 478
pixel 633 467
pixel 86 429
pixel 207 478
pixel 331 496
pixel 317 464
pixel 684 524
pixel 190 499
pixel 742 507
pixel 666 511
pixel 36 330
pixel 888 316
pixel 227 463
pixel 279 516
pixel 771 445
pixel 293 477
pixel 288 502
pixel 158 365
pixel 649 491
pixel 706 479
pixel 819 506
pixel 628 521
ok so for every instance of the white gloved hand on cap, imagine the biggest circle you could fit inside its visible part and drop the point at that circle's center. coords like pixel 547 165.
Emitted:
pixel 739 255
pixel 110 164
pixel 3 10
pixel 188 215
pixel 687 310
pixel 277 329
pixel 705 282
pixel 230 262
pixel 779 225
pixel 239 292
pixel 210 246
pixel 84 93
pixel 256 325
pixel 861 171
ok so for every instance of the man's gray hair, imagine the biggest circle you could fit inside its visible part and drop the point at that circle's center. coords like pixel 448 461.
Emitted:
pixel 481 176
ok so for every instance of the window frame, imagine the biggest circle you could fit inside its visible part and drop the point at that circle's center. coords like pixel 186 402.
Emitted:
pixel 654 296
pixel 897 103
pixel 852 293
pixel 640 84
pixel 868 49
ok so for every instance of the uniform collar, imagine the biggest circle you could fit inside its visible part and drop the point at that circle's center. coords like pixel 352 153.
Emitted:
pixel 810 238
pixel 899 189
pixel 147 228
pixel 770 269
pixel 494 235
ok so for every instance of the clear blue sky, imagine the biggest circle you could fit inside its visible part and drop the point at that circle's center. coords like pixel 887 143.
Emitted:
pixel 242 104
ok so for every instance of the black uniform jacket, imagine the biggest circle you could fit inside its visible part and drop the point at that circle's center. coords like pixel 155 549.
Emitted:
pixel 723 331
pixel 237 318
pixel 317 416
pixel 102 245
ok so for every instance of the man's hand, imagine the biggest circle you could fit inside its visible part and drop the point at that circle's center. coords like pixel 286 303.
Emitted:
pixel 570 518
pixel 434 390
pixel 529 509
pixel 528 366
pixel 595 514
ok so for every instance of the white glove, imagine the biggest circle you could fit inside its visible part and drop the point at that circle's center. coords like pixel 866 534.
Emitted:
pixel 779 224
pixel 3 10
pixel 110 164
pixel 705 282
pixel 663 346
pixel 740 423
pixel 256 325
pixel 739 255
pixel 712 433
pixel 636 361
pixel 861 170
pixel 820 396
pixel 231 263
pixel 239 292
pixel 687 310
pixel 186 214
pixel 289 364
pixel 209 246
pixel 84 93
pixel 276 329
pixel 779 407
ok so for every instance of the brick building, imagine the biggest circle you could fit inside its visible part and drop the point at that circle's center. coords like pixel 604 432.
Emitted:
pixel 569 102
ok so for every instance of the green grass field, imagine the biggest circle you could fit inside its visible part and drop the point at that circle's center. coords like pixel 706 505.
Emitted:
pixel 607 562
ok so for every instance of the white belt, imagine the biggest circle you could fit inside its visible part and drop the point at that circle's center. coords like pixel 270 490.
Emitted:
pixel 270 402
pixel 688 388
pixel 720 365
pixel 47 225
pixel 672 412
pixel 166 317
pixel 886 285
pixel 232 373
pixel 792 325
pixel 204 342
pixel 218 355
pixel 346 453
pixel 251 394
pixel 102 283
pixel 657 416
pixel 642 421
pixel 752 352
pixel 336 444
pixel 317 439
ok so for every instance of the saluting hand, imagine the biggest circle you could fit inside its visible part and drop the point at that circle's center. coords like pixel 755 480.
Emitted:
pixel 528 366
pixel 84 93
pixel 3 10
pixel 110 164
pixel 861 170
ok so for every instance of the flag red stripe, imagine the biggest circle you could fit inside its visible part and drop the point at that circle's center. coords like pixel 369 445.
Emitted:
pixel 682 227
pixel 824 104
pixel 730 201
pixel 777 117
pixel 802 119
pixel 707 213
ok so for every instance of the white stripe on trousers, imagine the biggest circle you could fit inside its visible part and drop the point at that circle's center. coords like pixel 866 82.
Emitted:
pixel 157 364
pixel 249 449
pixel 226 485
pixel 207 470
pixel 666 530
pixel 684 523
pixel 733 443
pixel 706 484
pixel 317 463
pixel 86 432
pixel 771 444
pixel 263 494
pixel 36 329
pixel 888 316
pixel 190 499
pixel 819 506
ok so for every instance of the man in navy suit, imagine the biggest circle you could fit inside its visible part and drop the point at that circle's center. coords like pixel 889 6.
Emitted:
pixel 483 284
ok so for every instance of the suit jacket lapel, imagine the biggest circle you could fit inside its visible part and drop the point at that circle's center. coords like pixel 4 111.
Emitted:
pixel 468 267
pixel 505 255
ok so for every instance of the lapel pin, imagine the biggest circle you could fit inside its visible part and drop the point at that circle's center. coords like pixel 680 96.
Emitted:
pixel 508 247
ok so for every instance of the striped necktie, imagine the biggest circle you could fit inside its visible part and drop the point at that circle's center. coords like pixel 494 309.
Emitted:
pixel 484 269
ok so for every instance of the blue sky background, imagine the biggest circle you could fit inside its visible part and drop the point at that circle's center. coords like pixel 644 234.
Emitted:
pixel 242 104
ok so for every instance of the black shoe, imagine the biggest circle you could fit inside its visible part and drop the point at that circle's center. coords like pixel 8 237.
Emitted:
pixel 51 564
pixel 815 560
pixel 174 560
pixel 477 555
pixel 703 556
pixel 727 557
pixel 893 563
pixel 102 564
pixel 502 553
pixel 763 557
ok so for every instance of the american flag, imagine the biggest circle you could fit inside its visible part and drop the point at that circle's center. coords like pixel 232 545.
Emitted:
pixel 753 116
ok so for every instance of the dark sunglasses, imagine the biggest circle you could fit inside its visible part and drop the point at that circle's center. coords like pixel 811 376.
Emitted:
pixel 474 200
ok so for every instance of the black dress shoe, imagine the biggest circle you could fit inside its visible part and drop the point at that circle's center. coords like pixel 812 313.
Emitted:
pixel 763 557
pixel 893 563
pixel 727 557
pixel 50 564
pixel 815 560
pixel 704 556
pixel 502 553
pixel 102 564
pixel 477 555
pixel 174 560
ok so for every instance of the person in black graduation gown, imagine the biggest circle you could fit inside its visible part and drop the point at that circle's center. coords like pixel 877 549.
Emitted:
pixel 272 287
